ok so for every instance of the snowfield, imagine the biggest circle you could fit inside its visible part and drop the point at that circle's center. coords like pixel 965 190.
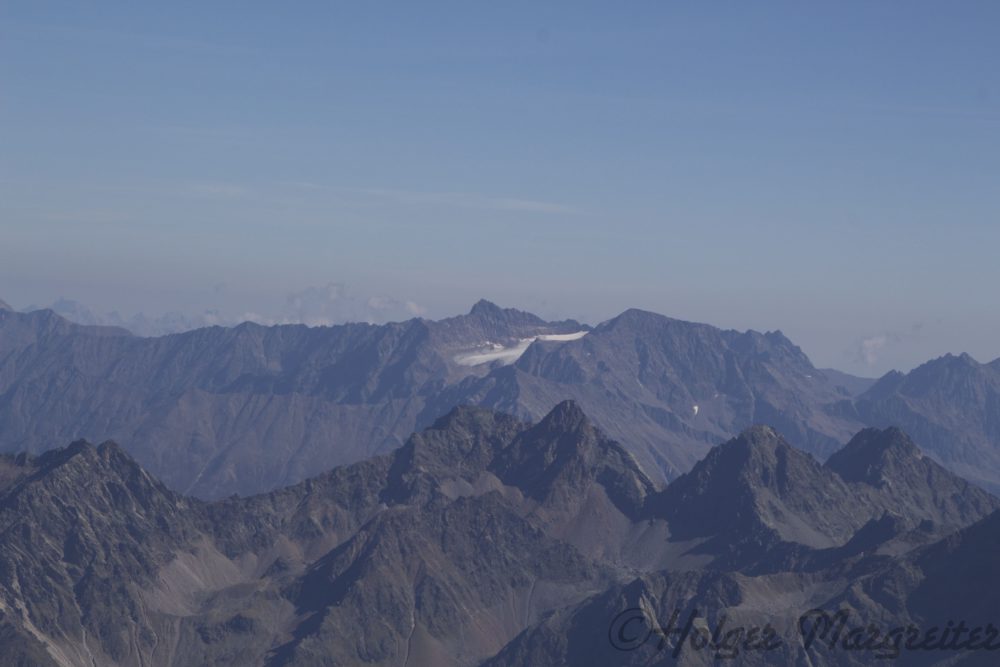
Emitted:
pixel 507 355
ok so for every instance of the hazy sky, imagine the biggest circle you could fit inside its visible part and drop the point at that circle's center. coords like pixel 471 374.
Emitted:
pixel 832 170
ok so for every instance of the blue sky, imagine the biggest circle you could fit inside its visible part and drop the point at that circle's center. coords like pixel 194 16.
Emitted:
pixel 829 170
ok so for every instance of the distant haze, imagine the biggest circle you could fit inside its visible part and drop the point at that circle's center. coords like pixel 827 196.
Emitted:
pixel 829 171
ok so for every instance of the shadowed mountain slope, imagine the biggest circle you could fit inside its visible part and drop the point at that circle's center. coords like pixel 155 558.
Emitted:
pixel 481 536
pixel 951 405
pixel 103 564
pixel 758 503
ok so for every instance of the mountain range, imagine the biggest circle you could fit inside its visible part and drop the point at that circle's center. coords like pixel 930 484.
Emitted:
pixel 317 305
pixel 139 323
pixel 485 540
pixel 246 409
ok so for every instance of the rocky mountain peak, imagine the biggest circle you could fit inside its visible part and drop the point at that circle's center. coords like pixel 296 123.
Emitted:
pixel 758 456
pixel 464 441
pixel 87 480
pixel 771 343
pixel 758 438
pixel 491 313
pixel 56 458
pixel 884 386
pixel 564 454
pixel 964 358
pixel 756 490
pixel 954 365
pixel 566 417
pixel 871 453
pixel 486 308
pixel 636 319
pixel 565 435
pixel 463 417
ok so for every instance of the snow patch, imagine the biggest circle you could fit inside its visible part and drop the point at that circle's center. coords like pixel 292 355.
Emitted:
pixel 491 352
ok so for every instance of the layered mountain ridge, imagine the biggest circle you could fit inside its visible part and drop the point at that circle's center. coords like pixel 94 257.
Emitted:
pixel 217 411
pixel 482 540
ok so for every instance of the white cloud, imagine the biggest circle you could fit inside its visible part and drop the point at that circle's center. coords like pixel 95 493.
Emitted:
pixel 869 348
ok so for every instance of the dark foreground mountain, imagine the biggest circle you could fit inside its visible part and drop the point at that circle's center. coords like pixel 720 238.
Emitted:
pixel 760 504
pixel 483 539
pixel 931 606
pixel 436 555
